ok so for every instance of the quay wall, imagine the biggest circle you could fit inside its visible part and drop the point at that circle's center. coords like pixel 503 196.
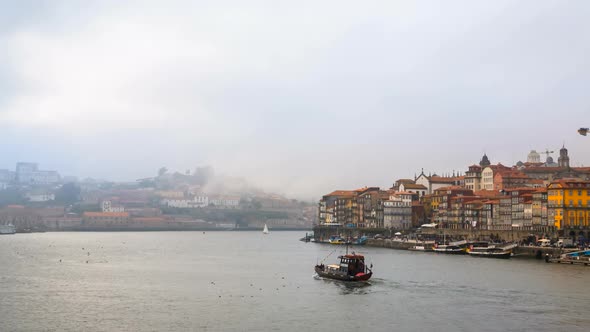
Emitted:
pixel 323 233
pixel 520 251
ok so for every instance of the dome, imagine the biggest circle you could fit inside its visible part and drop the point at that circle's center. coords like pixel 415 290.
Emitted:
pixel 484 161
pixel 549 160
pixel 519 164
pixel 533 157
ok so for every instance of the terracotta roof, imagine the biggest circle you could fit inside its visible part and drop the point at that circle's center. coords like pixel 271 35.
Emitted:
pixel 403 193
pixel 347 193
pixel 486 193
pixel 451 188
pixel 567 183
pixel 541 169
pixel 414 186
pixel 149 219
pixel 441 179
pixel 511 174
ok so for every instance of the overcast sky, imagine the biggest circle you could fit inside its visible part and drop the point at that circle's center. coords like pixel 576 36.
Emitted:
pixel 301 97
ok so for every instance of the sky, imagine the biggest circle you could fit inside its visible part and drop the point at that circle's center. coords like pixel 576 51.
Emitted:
pixel 299 97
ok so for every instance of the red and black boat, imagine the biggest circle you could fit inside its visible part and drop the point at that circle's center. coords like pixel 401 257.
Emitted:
pixel 352 267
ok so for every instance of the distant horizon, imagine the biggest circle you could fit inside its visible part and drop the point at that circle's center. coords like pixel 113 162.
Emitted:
pixel 427 171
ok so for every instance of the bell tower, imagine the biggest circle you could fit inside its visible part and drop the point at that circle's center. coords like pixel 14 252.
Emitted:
pixel 564 159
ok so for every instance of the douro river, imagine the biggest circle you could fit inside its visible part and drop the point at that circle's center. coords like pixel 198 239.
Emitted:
pixel 247 281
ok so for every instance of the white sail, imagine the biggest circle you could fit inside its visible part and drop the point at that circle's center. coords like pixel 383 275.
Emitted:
pixel 265 230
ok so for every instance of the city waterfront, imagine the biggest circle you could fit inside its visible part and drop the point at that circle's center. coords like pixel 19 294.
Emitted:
pixel 247 281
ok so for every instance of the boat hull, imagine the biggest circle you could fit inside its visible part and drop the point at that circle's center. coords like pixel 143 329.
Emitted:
pixel 325 273
pixel 420 248
pixel 502 255
pixel 449 251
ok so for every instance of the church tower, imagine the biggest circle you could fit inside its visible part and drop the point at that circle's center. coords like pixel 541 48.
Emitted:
pixel 563 160
pixel 485 162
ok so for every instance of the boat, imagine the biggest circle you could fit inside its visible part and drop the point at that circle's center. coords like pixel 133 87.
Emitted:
pixel 359 241
pixel 490 251
pixel 308 238
pixel 456 248
pixel 352 267
pixel 448 249
pixel 577 257
pixel 336 239
pixel 7 229
pixel 265 230
pixel 421 247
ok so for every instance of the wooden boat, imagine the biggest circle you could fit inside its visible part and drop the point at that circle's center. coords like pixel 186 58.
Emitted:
pixel 448 249
pixel 421 247
pixel 352 267
pixel 489 252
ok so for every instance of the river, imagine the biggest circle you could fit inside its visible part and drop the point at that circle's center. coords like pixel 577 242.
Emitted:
pixel 247 281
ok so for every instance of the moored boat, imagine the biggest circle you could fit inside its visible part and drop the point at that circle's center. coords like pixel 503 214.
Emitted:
pixel 577 257
pixel 421 247
pixel 336 239
pixel 489 252
pixel 307 238
pixel 448 249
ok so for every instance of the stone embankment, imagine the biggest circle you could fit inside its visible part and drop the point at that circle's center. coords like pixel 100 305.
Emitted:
pixel 520 251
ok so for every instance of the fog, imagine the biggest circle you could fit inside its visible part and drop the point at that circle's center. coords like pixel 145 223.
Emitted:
pixel 297 97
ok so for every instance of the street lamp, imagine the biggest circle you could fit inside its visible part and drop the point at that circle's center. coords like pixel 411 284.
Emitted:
pixel 583 131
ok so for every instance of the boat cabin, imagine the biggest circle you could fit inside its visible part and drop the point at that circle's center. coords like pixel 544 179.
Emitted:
pixel 352 264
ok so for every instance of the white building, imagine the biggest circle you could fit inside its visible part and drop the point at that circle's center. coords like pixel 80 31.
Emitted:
pixel 40 197
pixel 487 176
pixel 397 211
pixel 225 201
pixel 419 189
pixel 29 173
pixel 197 201
pixel 108 206
pixel 434 182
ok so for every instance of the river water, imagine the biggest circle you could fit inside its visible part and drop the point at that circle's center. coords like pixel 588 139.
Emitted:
pixel 246 281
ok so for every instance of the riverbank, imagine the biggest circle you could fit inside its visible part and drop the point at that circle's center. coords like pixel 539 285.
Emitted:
pixel 519 251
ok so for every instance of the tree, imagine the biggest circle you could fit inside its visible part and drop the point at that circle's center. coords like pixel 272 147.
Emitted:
pixel 68 194
pixel 203 175
pixel 162 171
pixel 11 196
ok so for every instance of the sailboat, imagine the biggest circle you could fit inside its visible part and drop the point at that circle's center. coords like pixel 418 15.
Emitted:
pixel 265 230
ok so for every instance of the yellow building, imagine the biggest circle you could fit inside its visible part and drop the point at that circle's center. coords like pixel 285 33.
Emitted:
pixel 568 203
